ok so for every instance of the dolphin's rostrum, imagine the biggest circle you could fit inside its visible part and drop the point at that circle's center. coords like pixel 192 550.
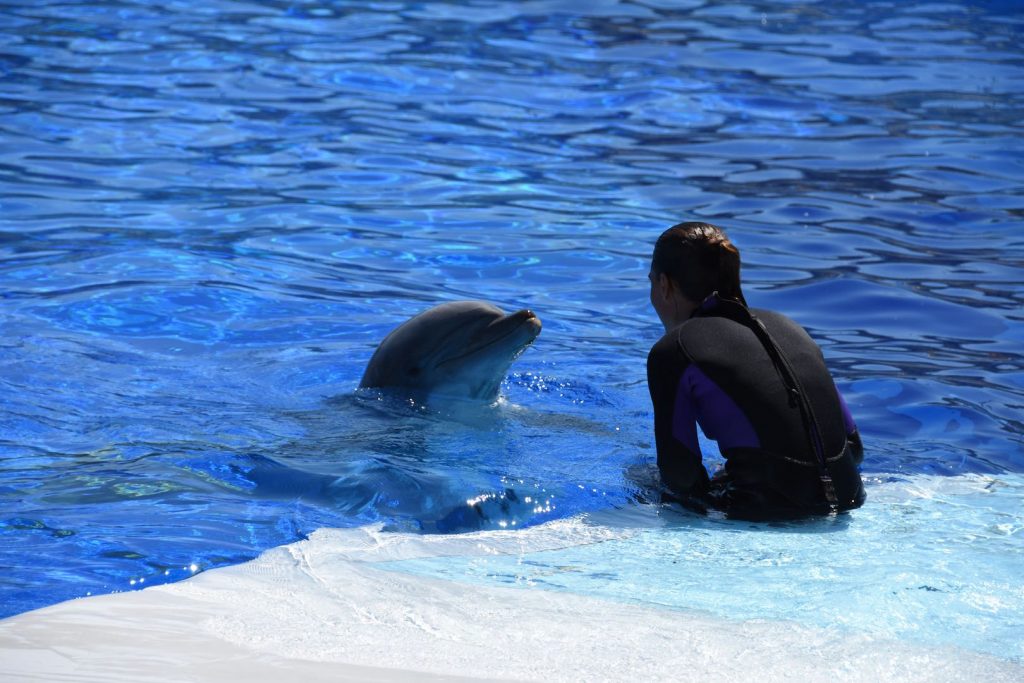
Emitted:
pixel 459 349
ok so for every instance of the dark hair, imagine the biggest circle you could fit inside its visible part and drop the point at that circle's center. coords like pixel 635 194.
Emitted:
pixel 700 260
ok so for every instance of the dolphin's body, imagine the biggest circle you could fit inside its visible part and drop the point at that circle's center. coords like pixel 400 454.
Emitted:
pixel 460 349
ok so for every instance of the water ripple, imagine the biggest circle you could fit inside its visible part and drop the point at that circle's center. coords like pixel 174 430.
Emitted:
pixel 210 213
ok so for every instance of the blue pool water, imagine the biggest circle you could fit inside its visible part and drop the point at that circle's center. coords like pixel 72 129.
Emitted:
pixel 210 213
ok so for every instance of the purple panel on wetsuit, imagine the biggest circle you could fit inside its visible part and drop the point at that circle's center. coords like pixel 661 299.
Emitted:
pixel 698 399
pixel 684 415
pixel 851 426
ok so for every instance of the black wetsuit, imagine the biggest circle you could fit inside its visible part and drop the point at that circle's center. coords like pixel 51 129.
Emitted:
pixel 715 370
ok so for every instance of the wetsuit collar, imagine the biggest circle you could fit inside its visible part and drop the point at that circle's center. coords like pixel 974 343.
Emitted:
pixel 707 306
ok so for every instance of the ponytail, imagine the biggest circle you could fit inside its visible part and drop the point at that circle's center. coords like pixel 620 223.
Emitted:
pixel 729 272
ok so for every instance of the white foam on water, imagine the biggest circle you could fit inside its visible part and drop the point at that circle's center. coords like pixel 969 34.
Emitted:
pixel 356 604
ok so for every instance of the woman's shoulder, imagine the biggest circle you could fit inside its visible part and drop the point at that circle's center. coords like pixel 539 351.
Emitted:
pixel 787 332
pixel 778 321
pixel 666 363
pixel 667 349
pixel 767 314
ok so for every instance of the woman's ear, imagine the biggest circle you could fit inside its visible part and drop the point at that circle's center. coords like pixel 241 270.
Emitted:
pixel 665 286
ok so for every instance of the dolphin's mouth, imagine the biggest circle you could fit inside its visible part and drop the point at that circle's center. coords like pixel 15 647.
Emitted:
pixel 519 320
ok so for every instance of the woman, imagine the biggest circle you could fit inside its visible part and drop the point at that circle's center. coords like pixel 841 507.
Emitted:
pixel 754 381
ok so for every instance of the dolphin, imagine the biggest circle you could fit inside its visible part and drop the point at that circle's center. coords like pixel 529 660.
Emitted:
pixel 460 349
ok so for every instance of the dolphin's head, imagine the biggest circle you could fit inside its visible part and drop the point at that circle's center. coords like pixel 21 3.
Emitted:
pixel 460 349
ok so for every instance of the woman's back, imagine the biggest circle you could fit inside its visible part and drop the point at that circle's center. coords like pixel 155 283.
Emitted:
pixel 755 382
pixel 714 370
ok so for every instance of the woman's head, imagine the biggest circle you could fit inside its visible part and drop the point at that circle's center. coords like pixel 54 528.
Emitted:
pixel 699 259
pixel 696 259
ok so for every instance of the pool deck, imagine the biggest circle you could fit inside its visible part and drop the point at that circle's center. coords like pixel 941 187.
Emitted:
pixel 309 612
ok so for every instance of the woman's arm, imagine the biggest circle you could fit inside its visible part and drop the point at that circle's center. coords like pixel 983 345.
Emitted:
pixel 675 428
pixel 852 435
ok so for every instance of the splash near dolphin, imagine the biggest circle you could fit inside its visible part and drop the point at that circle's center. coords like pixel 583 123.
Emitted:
pixel 460 349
